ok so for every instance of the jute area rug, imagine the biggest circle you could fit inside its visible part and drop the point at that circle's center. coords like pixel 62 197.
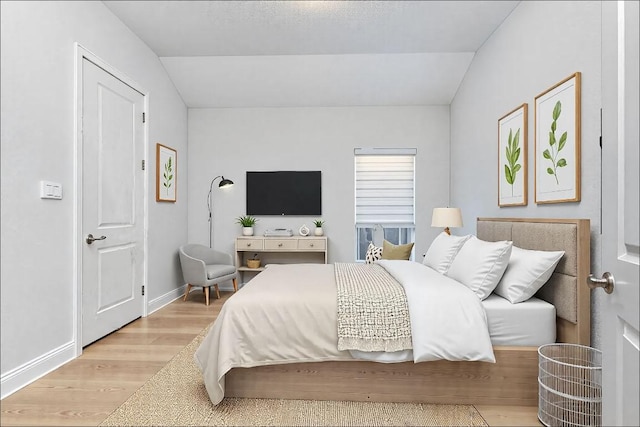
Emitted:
pixel 176 396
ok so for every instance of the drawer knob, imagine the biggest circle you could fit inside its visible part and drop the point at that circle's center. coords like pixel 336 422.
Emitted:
pixel 311 244
pixel 248 244
pixel 279 244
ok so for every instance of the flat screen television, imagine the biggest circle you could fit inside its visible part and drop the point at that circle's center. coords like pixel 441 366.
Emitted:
pixel 284 193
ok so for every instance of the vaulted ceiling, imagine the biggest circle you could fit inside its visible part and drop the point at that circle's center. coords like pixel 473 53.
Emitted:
pixel 314 53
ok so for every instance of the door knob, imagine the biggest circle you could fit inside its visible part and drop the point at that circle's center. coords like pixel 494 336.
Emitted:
pixel 607 282
pixel 90 239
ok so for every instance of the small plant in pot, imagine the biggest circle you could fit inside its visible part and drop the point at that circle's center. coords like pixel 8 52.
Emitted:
pixel 318 223
pixel 253 262
pixel 247 222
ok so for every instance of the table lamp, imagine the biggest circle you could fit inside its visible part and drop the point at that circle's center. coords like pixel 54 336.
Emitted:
pixel 446 217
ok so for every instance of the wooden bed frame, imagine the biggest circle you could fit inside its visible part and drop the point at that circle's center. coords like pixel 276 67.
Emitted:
pixel 512 380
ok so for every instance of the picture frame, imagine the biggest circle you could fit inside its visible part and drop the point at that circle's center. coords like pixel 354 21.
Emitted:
pixel 512 157
pixel 557 142
pixel 166 173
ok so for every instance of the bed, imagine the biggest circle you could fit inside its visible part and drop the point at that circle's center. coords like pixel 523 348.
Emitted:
pixel 336 375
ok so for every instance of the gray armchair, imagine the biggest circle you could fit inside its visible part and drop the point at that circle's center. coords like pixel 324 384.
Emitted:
pixel 206 267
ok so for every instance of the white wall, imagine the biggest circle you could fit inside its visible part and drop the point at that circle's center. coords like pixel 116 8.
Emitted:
pixel 232 141
pixel 38 143
pixel 538 45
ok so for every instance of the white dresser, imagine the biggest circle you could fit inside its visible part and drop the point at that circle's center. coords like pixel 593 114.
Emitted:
pixel 279 250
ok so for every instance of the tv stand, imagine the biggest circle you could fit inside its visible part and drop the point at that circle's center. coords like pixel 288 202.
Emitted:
pixel 279 250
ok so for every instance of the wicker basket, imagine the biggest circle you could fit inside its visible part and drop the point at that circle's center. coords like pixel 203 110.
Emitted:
pixel 569 385
pixel 253 263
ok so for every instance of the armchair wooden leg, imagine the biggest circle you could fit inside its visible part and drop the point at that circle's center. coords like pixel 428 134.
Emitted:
pixel 186 293
pixel 217 291
pixel 206 294
pixel 235 285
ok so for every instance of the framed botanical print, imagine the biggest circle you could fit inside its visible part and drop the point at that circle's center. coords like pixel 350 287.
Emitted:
pixel 166 173
pixel 512 157
pixel 557 142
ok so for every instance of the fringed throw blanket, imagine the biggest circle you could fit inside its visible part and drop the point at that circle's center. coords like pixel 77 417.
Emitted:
pixel 373 314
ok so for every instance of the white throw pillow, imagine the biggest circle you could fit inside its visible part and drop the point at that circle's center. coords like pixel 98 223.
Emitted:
pixel 442 251
pixel 479 265
pixel 374 253
pixel 527 272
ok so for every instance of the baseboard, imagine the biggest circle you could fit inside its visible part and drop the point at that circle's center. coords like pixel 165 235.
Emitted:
pixel 228 287
pixel 24 375
pixel 166 299
pixel 163 300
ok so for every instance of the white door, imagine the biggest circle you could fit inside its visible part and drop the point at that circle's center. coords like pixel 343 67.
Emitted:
pixel 620 236
pixel 112 203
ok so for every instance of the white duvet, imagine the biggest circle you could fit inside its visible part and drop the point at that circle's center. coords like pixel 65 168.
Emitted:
pixel 287 314
pixel 447 318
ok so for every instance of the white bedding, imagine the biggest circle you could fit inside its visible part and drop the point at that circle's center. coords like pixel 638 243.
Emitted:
pixel 287 314
pixel 447 318
pixel 528 323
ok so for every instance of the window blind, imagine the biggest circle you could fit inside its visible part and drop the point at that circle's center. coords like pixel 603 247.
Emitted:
pixel 385 186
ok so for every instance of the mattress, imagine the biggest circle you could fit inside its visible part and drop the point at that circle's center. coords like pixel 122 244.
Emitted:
pixel 529 323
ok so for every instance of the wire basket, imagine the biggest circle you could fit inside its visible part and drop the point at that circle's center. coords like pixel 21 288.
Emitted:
pixel 569 385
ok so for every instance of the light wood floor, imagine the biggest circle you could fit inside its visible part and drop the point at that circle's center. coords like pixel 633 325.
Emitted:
pixel 86 390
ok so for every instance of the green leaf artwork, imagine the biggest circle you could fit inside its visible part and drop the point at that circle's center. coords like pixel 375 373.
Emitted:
pixel 168 175
pixel 555 145
pixel 513 154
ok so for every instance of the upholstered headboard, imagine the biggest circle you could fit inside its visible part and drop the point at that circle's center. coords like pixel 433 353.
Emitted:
pixel 566 289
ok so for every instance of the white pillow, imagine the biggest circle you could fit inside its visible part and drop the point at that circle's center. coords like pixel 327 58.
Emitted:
pixel 526 273
pixel 442 251
pixel 479 265
pixel 374 253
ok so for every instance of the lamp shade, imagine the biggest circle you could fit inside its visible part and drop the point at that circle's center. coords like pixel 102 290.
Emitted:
pixel 446 217
pixel 225 183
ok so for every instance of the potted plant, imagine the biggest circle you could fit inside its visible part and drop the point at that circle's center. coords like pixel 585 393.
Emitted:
pixel 318 223
pixel 247 222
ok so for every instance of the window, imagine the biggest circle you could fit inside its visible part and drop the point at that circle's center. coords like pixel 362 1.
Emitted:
pixel 384 197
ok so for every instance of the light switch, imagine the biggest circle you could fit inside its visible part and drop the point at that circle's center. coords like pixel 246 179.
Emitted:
pixel 50 190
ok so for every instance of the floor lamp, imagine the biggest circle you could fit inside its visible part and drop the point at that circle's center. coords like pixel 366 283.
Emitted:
pixel 223 184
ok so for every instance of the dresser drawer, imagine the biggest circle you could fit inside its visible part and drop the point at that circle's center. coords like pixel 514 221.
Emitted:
pixel 281 244
pixel 249 244
pixel 312 244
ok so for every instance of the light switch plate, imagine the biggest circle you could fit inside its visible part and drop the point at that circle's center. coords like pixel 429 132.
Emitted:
pixel 50 190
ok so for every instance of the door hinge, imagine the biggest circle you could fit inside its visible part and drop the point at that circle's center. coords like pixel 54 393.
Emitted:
pixel 142 290
pixel 144 118
pixel 143 165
